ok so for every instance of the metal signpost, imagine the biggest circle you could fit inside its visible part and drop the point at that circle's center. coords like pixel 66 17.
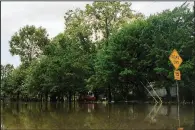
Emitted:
pixel 176 60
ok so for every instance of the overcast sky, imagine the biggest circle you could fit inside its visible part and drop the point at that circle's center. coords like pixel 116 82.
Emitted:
pixel 50 15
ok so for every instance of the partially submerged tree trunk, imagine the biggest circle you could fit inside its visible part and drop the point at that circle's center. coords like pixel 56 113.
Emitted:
pixel 109 94
pixel 53 98
pixel 140 93
pixel 46 106
pixel 17 108
pixel 46 97
pixel 70 97
pixel 18 96
pixel 168 110
pixel 74 97
pixel 60 98
pixel 96 95
pixel 168 96
pixel 41 97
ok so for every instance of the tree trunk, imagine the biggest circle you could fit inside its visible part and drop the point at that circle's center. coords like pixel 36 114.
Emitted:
pixel 107 30
pixel 60 98
pixel 69 107
pixel 46 96
pixel 41 98
pixel 140 93
pixel 70 97
pixel 74 97
pixel 96 96
pixel 3 98
pixel 168 96
pixel 67 97
pixel 17 108
pixel 127 92
pixel 168 110
pixel 46 106
pixel 18 96
pixel 109 94
pixel 53 98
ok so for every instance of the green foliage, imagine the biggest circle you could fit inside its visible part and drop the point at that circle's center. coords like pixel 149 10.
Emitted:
pixel 28 42
pixel 140 51
pixel 108 17
pixel 6 71
pixel 61 71
pixel 132 51
pixel 100 18
pixel 13 84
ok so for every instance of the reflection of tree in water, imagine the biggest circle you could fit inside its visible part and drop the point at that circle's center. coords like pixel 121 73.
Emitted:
pixel 168 110
pixel 83 116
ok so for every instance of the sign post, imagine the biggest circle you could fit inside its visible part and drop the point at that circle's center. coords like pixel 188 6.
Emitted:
pixel 176 60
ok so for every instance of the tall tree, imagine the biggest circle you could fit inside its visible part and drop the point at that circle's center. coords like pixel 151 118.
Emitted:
pixel 107 17
pixel 28 42
pixel 98 20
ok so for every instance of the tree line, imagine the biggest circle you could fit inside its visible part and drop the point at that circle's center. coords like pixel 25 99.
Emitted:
pixel 107 48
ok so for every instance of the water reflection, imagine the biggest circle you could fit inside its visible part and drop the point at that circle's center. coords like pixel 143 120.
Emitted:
pixel 93 116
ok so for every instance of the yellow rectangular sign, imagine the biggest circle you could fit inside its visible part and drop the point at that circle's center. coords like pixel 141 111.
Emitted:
pixel 177 75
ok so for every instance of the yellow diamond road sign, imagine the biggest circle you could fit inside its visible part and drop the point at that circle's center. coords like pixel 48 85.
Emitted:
pixel 175 59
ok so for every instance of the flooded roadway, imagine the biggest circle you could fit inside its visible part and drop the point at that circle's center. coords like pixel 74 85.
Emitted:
pixel 95 116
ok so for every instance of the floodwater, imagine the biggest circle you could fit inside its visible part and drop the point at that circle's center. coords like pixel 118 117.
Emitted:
pixel 95 116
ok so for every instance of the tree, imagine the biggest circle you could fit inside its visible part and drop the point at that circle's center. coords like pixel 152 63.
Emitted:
pixel 61 72
pixel 108 17
pixel 6 71
pixel 99 18
pixel 40 80
pixel 73 66
pixel 28 43
pixel 123 61
pixel 14 83
pixel 78 29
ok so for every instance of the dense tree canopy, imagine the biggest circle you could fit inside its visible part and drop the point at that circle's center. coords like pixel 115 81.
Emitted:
pixel 140 51
pixel 132 52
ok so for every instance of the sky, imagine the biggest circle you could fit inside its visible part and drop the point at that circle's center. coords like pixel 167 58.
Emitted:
pixel 50 15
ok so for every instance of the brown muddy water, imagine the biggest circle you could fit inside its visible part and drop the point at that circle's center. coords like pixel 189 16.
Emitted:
pixel 95 116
